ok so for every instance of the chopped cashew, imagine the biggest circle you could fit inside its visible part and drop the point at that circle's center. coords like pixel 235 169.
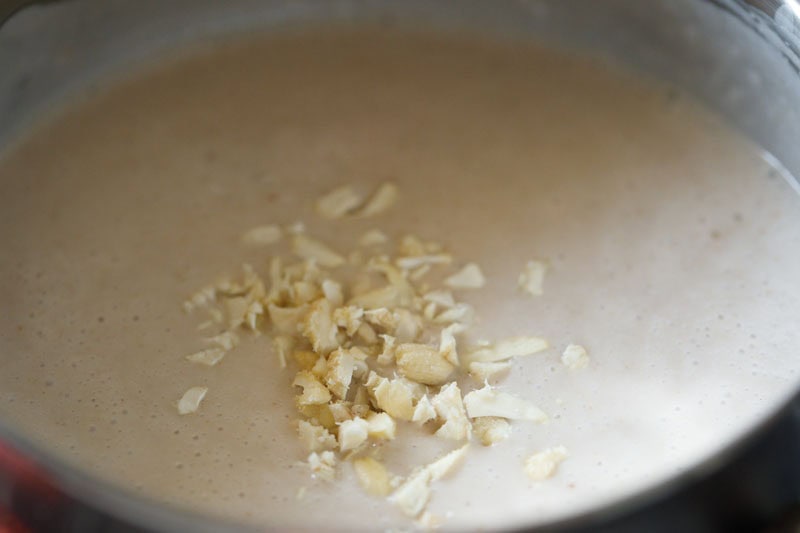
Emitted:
pixel 469 277
pixel 382 200
pixel 350 318
pixel 408 325
pixel 208 357
pixel 482 371
pixel 440 297
pixel 283 346
pixel 513 347
pixel 318 327
pixel 308 248
pixel 414 262
pixel 286 319
pixel 489 402
pixel 532 278
pixel 450 408
pixel 447 463
pixel 423 364
pixel 314 392
pixel 262 235
pixel 333 292
pixel 460 312
pixel 374 237
pixel 413 495
pixel 226 341
pixel 394 396
pixel 352 434
pixel 491 429
pixel 323 465
pixel 423 411
pixel 315 438
pixel 340 372
pixel 575 357
pixel 381 426
pixel 372 476
pixel 543 465
pixel 447 343
pixel 306 359
pixel 191 399
pixel 339 202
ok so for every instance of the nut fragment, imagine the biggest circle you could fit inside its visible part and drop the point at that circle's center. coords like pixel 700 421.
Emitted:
pixel 338 202
pixel 283 346
pixel 340 372
pixel 352 434
pixel 373 237
pixel 423 363
pixel 191 399
pixel 333 292
pixel 447 343
pixel 201 298
pixel 296 227
pixel 450 408
pixel 544 464
pixel 423 411
pixel 428 521
pixel 372 476
pixel 306 359
pixel 469 277
pixel 340 411
pixel 411 245
pixel 318 327
pixel 323 465
pixel 381 426
pixel 440 297
pixel 236 310
pixel 575 357
pixel 488 402
pixel 388 296
pixel 381 318
pixel 382 200
pixel 394 396
pixel 225 341
pixel 447 463
pixel 208 357
pixel 286 319
pixel 367 334
pixel 308 248
pixel 491 429
pixel 407 325
pixel 410 263
pixel 532 278
pixel 315 438
pixel 262 235
pixel 413 495
pixel 314 392
pixel 461 312
pixel 513 347
pixel 483 371
pixel 349 317
pixel 387 353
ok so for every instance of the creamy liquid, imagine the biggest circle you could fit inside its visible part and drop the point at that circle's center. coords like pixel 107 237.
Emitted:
pixel 674 252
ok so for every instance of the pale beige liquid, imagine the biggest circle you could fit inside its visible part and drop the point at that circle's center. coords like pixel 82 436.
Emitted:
pixel 674 253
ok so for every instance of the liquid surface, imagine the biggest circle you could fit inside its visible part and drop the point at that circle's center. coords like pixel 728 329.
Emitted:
pixel 674 251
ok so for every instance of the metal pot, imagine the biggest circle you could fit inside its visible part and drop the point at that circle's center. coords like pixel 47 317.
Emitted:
pixel 741 59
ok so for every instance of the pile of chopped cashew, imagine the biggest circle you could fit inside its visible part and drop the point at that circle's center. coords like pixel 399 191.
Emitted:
pixel 369 345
